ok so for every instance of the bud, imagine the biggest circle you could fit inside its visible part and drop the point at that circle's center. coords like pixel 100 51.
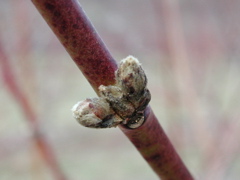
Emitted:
pixel 123 102
pixel 117 101
pixel 131 77
pixel 95 113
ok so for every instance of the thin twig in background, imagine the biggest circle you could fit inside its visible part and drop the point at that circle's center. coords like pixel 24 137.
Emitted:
pixel 181 67
pixel 40 141
pixel 68 21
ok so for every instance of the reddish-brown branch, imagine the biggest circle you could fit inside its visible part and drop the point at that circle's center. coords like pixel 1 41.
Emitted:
pixel 71 26
pixel 40 141
pixel 80 39
pixel 154 145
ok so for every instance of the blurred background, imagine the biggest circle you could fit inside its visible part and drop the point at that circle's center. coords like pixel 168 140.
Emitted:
pixel 190 51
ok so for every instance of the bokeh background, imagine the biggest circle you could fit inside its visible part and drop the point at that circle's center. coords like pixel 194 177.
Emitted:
pixel 190 51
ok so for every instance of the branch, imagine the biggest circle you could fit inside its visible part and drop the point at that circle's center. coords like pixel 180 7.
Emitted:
pixel 65 18
pixel 69 23
pixel 39 139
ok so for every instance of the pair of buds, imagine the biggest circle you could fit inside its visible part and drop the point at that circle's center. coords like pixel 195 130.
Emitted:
pixel 121 103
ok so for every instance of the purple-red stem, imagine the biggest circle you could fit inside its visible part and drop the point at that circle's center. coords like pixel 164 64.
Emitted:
pixel 39 139
pixel 154 145
pixel 66 17
pixel 70 24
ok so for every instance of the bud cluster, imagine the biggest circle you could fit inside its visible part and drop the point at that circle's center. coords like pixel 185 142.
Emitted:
pixel 123 102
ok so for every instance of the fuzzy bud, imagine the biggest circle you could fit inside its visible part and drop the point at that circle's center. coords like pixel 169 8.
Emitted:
pixel 123 102
pixel 95 112
pixel 131 77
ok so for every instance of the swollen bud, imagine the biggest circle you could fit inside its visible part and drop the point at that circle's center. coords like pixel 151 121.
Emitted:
pixel 95 113
pixel 123 102
pixel 131 77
